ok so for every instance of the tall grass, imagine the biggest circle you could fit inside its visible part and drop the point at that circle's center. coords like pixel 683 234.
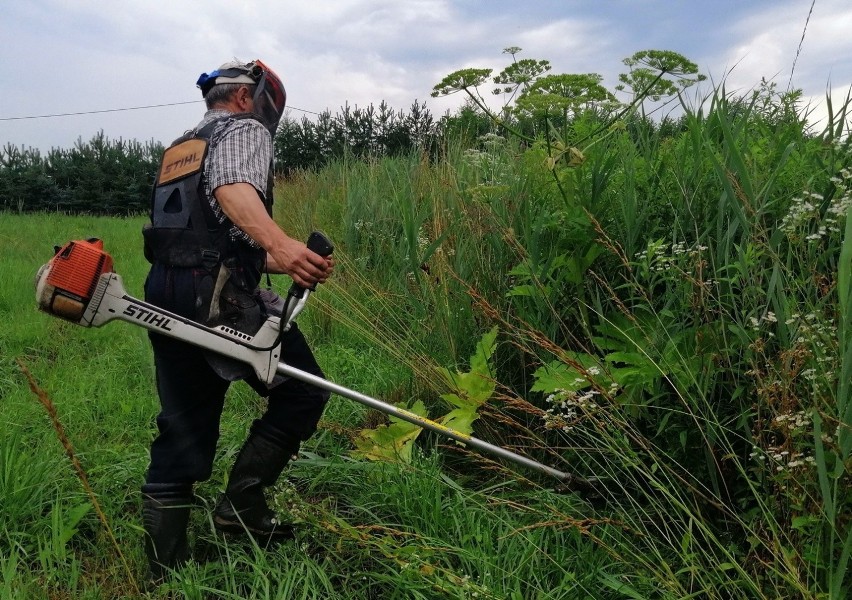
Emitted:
pixel 685 291
pixel 365 530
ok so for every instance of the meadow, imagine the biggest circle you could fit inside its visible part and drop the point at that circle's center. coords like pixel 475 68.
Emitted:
pixel 663 308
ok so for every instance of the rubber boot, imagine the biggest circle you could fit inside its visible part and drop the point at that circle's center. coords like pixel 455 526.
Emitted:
pixel 242 508
pixel 165 515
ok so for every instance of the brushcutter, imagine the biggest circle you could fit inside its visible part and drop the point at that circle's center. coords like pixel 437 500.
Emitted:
pixel 79 285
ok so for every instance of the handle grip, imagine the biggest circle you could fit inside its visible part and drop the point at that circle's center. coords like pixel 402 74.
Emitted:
pixel 319 244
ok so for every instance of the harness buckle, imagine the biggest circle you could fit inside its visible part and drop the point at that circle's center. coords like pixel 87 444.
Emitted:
pixel 209 258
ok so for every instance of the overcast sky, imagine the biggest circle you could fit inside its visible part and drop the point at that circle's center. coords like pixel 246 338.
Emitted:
pixel 65 56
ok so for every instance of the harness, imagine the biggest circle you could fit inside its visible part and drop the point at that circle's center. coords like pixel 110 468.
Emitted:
pixel 184 231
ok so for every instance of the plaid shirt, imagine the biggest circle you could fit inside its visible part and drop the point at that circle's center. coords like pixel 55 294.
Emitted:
pixel 240 152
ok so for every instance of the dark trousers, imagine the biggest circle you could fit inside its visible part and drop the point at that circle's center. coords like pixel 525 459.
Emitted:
pixel 192 394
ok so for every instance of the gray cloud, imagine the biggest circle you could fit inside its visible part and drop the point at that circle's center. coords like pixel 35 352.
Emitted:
pixel 96 56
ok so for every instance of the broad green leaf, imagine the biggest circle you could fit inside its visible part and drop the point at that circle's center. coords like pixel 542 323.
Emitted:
pixel 529 291
pixel 635 376
pixel 484 350
pixel 471 390
pixel 522 269
pixel 461 419
pixel 476 385
pixel 390 442
pixel 72 519
pixel 558 375
pixel 629 358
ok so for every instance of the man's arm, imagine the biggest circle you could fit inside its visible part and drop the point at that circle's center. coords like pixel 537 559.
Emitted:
pixel 240 202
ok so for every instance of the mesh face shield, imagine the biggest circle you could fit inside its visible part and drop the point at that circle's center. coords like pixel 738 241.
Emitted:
pixel 269 95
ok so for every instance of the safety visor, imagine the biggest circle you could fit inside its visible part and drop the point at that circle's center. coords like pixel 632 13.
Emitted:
pixel 269 96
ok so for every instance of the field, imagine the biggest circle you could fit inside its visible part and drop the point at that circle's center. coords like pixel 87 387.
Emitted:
pixel 366 529
pixel 666 309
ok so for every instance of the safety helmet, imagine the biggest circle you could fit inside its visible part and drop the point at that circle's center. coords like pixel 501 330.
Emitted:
pixel 269 95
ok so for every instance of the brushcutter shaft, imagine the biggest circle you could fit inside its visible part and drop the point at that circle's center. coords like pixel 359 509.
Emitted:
pixel 78 285
pixel 395 411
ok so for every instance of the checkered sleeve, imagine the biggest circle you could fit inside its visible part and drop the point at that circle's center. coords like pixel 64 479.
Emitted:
pixel 240 152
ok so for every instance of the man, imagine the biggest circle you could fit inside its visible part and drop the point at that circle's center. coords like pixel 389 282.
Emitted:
pixel 210 238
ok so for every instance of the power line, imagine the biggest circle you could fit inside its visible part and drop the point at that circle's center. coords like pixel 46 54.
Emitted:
pixel 303 110
pixel 94 112
pixel 109 110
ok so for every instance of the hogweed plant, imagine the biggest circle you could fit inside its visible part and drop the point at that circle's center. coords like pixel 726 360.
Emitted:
pixel 707 379
pixel 673 313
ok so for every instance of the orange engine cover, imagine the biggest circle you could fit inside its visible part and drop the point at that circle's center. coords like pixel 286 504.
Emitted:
pixel 77 267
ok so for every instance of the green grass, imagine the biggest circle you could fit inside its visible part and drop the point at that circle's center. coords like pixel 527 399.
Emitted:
pixel 367 530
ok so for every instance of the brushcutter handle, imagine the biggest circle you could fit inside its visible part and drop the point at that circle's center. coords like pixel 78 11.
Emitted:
pixel 320 244
pixel 317 242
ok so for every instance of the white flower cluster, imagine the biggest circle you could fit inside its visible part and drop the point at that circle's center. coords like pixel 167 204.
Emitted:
pixel 661 257
pixel 793 425
pixel 819 336
pixel 782 460
pixel 286 500
pixel 804 214
pixel 767 317
pixel 802 211
pixel 375 231
pixel 490 161
pixel 422 240
pixel 567 408
pixel 492 140
pixel 798 420
pixel 473 157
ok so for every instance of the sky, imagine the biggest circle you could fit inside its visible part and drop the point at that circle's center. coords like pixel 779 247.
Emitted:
pixel 74 56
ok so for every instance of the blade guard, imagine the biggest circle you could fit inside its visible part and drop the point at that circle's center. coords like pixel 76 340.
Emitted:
pixel 64 286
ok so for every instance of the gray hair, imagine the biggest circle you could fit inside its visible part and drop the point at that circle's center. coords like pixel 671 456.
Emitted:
pixel 224 92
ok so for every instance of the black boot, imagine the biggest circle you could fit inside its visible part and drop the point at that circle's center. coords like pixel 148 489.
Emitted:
pixel 165 515
pixel 242 508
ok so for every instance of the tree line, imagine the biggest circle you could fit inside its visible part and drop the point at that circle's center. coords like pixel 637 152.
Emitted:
pixel 114 177
pixel 101 176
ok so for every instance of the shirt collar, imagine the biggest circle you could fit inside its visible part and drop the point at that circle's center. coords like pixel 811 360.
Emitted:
pixel 212 115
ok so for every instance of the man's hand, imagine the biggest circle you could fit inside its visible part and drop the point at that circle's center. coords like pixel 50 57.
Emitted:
pixel 241 203
pixel 304 266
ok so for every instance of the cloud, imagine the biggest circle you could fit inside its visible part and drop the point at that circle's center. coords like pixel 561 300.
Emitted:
pixel 770 45
pixel 91 56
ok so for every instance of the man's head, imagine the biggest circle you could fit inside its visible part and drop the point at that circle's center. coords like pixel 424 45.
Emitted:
pixel 245 87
